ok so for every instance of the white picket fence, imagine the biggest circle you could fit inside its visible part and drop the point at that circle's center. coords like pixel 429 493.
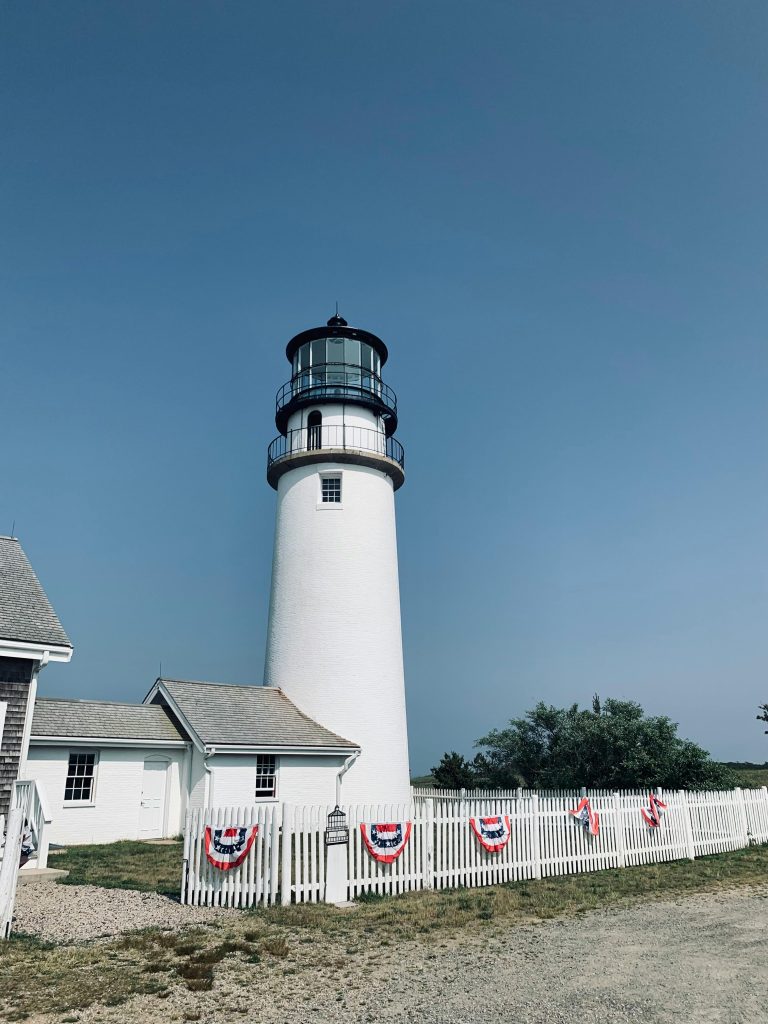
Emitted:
pixel 287 862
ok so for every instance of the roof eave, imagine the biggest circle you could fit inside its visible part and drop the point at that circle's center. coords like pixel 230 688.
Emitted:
pixel 35 651
pixel 273 748
pixel 104 741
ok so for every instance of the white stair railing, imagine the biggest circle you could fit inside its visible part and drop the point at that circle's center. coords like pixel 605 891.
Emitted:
pixel 9 869
pixel 29 797
pixel 27 818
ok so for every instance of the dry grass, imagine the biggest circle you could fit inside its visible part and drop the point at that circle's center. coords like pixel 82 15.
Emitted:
pixel 36 978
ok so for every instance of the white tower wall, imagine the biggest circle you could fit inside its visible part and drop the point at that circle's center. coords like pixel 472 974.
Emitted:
pixel 334 640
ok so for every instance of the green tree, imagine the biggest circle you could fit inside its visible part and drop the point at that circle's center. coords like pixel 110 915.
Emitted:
pixel 454 772
pixel 613 745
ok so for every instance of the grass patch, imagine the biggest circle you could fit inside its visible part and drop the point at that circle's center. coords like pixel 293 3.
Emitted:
pixel 752 778
pixel 276 946
pixel 124 865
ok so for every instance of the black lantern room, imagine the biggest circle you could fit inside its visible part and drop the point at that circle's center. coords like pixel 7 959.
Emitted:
pixel 336 363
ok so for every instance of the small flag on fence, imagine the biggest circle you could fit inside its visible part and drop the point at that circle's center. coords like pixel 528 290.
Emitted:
pixel 492 833
pixel 386 840
pixel 227 848
pixel 652 814
pixel 586 817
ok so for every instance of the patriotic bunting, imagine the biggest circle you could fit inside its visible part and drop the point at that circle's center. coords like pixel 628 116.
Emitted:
pixel 492 833
pixel 386 840
pixel 652 814
pixel 589 819
pixel 227 848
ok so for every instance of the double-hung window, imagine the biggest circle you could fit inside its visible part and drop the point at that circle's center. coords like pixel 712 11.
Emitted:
pixel 331 492
pixel 81 772
pixel 266 776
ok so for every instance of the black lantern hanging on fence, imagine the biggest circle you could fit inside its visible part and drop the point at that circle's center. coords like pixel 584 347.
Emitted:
pixel 337 831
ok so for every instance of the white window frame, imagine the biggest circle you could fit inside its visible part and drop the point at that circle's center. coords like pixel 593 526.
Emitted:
pixel 91 801
pixel 330 475
pixel 3 709
pixel 261 797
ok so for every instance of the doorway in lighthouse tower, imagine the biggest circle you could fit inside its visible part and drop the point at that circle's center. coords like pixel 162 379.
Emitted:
pixel 314 430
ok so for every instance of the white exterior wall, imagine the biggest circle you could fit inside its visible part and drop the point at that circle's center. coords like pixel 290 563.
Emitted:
pixel 197 780
pixel 334 643
pixel 114 813
pixel 300 779
pixel 336 415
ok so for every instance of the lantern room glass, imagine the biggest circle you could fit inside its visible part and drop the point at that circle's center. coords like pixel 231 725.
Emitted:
pixel 336 363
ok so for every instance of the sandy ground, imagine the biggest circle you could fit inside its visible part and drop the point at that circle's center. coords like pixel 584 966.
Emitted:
pixel 700 958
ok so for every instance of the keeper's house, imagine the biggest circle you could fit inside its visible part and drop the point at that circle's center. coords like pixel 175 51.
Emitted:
pixel 130 771
pixel 31 637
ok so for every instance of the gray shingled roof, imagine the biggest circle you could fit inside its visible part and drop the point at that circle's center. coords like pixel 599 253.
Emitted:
pixel 248 716
pixel 25 611
pixel 101 719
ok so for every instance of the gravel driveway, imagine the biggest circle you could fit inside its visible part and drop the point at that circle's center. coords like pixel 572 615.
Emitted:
pixel 701 958
pixel 73 913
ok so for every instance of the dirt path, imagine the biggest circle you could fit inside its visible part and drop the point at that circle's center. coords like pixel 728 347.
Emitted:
pixel 695 959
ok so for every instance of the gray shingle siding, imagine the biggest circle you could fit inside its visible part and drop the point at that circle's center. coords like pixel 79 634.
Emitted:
pixel 102 720
pixel 15 677
pixel 248 716
pixel 25 612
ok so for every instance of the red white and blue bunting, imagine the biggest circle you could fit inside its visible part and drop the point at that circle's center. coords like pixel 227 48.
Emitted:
pixel 586 817
pixel 386 840
pixel 492 833
pixel 227 848
pixel 652 813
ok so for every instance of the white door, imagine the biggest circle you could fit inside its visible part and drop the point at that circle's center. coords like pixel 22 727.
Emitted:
pixel 152 810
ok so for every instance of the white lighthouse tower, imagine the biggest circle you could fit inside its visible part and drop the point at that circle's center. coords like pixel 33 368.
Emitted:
pixel 334 643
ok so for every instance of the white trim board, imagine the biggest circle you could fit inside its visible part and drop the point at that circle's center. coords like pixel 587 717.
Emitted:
pixel 35 652
pixel 102 741
pixel 3 709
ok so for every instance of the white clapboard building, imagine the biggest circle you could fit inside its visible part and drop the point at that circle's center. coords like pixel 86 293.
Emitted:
pixel 329 723
pixel 130 771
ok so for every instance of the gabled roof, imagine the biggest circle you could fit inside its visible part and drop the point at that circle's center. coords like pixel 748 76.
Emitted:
pixel 25 612
pixel 102 719
pixel 246 716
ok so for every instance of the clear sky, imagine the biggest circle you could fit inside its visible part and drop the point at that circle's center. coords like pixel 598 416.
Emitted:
pixel 555 216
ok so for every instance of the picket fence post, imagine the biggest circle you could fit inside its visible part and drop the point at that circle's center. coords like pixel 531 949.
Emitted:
pixel 185 860
pixel 742 812
pixel 535 840
pixel 688 825
pixel 429 860
pixel 285 859
pixel 618 818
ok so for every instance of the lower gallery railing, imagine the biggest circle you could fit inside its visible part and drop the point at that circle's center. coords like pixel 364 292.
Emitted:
pixel 288 860
pixel 342 437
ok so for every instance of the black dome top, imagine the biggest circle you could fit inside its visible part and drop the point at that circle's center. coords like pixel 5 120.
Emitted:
pixel 337 321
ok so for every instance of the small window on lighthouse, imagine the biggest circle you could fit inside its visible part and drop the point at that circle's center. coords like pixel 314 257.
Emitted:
pixel 331 488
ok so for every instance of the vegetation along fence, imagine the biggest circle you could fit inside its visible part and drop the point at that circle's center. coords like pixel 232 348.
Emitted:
pixel 283 856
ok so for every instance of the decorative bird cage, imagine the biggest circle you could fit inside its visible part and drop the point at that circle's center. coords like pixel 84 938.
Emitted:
pixel 337 831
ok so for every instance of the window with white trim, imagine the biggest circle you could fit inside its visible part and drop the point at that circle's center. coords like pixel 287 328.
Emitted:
pixel 331 491
pixel 81 772
pixel 266 776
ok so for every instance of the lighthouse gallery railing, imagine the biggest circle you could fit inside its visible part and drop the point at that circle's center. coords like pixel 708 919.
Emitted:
pixel 338 436
pixel 336 380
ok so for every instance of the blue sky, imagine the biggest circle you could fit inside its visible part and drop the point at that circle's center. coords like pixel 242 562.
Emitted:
pixel 553 213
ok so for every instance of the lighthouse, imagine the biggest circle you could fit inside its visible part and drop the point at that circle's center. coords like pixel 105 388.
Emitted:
pixel 334 643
